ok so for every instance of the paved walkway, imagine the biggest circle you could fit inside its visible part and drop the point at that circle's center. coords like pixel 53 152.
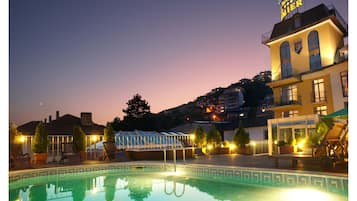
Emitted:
pixel 242 161
pixel 264 162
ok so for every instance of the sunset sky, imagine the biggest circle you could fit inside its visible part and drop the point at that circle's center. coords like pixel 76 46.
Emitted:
pixel 93 55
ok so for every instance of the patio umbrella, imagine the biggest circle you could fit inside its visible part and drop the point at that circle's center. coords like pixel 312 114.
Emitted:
pixel 342 114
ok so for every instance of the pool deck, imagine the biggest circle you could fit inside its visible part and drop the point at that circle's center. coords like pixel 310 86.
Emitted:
pixel 261 161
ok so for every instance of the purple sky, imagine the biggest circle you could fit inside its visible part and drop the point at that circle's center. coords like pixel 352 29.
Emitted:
pixel 94 55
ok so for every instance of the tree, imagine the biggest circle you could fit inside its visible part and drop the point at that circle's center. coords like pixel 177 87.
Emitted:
pixel 40 140
pixel 13 133
pixel 109 134
pixel 79 139
pixel 116 124
pixel 137 107
pixel 214 136
pixel 241 137
pixel 200 136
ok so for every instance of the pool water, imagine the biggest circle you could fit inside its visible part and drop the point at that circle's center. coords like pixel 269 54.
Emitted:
pixel 148 186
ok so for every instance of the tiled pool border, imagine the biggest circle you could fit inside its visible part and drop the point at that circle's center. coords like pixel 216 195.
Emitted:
pixel 324 181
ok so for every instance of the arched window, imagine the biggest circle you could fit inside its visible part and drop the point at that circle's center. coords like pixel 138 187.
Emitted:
pixel 285 61
pixel 314 50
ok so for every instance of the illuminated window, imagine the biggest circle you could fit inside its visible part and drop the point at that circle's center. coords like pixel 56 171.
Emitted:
pixel 291 113
pixel 314 50
pixel 344 83
pixel 321 110
pixel 285 61
pixel 319 90
pixel 289 94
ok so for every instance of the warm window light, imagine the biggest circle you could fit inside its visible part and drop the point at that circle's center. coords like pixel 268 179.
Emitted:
pixel 209 147
pixel 214 117
pixel 253 143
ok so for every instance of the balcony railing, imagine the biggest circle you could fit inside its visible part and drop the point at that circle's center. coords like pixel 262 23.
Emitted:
pixel 285 101
pixel 266 36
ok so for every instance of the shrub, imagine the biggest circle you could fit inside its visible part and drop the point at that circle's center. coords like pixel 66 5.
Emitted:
pixel 214 136
pixel 200 136
pixel 40 141
pixel 241 137
pixel 79 139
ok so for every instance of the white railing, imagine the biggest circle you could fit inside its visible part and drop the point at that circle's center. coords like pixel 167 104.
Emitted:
pixel 130 142
pixel 55 142
pixel 259 147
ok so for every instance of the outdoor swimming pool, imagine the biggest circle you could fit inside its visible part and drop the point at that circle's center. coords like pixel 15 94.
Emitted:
pixel 150 181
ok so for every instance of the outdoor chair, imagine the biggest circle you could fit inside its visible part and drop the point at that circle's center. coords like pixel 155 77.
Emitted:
pixel 334 142
pixel 69 156
pixel 18 160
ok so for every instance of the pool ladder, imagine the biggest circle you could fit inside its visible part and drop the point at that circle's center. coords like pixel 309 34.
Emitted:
pixel 174 155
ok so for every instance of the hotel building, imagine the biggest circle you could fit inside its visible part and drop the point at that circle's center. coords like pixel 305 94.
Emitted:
pixel 309 61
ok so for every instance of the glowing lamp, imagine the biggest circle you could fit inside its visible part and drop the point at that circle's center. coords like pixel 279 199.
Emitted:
pixel 94 138
pixel 209 147
pixel 300 145
pixel 254 144
pixel 232 146
pixel 192 137
pixel 20 139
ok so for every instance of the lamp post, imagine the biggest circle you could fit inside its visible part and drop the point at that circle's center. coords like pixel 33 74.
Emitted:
pixel 94 140
pixel 254 147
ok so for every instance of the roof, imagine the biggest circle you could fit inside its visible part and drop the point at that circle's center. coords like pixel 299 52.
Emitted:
pixel 308 18
pixel 62 126
pixel 28 128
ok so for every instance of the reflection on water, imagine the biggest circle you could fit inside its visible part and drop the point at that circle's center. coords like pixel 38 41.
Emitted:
pixel 147 187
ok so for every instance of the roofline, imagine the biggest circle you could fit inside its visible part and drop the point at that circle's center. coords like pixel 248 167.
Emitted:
pixel 325 20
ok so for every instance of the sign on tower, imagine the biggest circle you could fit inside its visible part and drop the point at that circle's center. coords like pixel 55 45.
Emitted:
pixel 287 6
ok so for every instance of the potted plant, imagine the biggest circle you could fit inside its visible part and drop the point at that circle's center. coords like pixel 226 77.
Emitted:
pixel 79 141
pixel 39 145
pixel 285 148
pixel 241 139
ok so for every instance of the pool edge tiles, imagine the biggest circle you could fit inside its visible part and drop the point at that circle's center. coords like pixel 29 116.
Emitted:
pixel 258 176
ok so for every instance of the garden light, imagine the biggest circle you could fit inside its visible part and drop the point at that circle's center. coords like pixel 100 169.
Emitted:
pixel 232 146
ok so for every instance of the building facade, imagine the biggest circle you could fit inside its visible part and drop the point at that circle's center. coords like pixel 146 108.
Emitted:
pixel 309 60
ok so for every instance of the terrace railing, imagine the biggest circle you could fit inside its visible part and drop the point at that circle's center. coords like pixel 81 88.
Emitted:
pixel 55 148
